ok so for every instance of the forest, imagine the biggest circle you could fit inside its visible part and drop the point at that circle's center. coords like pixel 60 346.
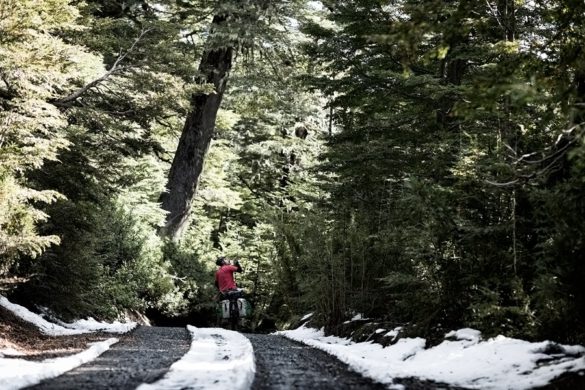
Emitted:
pixel 420 163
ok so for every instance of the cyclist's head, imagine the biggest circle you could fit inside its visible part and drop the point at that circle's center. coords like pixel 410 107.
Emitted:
pixel 220 261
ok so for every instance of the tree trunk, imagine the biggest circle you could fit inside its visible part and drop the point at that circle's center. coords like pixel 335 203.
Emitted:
pixel 195 139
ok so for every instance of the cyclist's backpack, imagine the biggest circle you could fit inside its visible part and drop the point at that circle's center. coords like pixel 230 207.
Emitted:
pixel 224 309
pixel 244 308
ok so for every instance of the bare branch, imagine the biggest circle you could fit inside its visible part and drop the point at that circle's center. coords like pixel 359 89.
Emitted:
pixel 495 13
pixel 553 162
pixel 567 132
pixel 553 155
pixel 248 186
pixel 550 159
pixel 506 184
pixel 525 156
pixel 510 149
pixel 115 68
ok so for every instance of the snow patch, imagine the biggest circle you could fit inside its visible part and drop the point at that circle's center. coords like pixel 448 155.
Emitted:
pixel 19 373
pixel 218 359
pixel 357 317
pixel 394 333
pixel 10 352
pixel 468 334
pixel 91 325
pixel 461 360
pixel 65 329
pixel 307 316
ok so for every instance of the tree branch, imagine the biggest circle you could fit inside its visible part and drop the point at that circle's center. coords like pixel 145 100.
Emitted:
pixel 115 68
pixel 551 159
pixel 249 187
pixel 546 158
pixel 495 13
pixel 506 184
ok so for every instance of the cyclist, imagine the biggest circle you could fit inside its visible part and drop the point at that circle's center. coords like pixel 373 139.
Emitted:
pixel 225 283
pixel 224 277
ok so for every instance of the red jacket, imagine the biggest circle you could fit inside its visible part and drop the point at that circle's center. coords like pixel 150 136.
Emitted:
pixel 224 277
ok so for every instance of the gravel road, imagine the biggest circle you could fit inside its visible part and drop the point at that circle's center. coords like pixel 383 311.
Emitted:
pixel 285 364
pixel 142 356
pixel 145 355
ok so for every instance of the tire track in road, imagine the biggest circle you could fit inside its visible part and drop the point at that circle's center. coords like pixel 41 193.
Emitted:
pixel 141 356
pixel 285 364
pixel 282 364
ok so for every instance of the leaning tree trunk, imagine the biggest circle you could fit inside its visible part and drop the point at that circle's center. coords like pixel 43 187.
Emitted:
pixel 195 139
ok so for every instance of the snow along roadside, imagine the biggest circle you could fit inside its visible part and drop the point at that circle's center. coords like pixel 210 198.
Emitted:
pixel 77 327
pixel 464 360
pixel 19 373
pixel 218 359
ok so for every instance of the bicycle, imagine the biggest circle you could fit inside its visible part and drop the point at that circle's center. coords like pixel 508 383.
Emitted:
pixel 236 308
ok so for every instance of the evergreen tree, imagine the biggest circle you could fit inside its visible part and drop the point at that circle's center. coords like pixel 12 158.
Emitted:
pixel 440 121
pixel 236 27
pixel 118 115
pixel 35 63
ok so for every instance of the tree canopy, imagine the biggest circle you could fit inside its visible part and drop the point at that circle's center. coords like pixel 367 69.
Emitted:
pixel 418 162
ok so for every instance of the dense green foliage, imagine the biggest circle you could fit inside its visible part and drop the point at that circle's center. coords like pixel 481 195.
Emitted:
pixel 418 162
pixel 458 166
pixel 32 64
